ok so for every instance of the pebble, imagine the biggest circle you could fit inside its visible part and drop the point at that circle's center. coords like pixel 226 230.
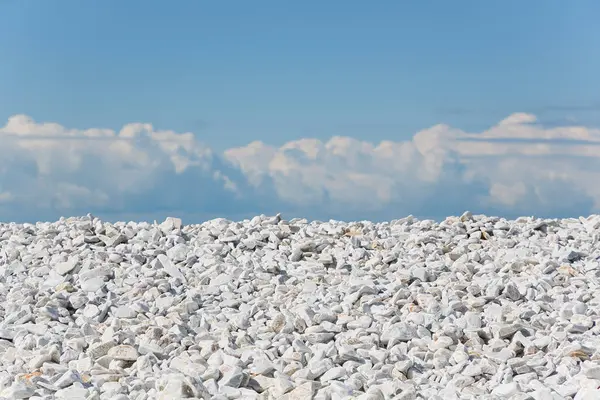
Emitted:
pixel 266 308
pixel 18 390
pixel 400 331
pixel 123 352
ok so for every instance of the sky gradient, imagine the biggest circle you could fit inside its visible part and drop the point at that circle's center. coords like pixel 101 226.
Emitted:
pixel 337 109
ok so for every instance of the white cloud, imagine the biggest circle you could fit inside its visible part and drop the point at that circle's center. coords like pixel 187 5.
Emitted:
pixel 517 162
pixel 516 166
pixel 45 165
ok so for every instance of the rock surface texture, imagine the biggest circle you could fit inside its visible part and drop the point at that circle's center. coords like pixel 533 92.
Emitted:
pixel 473 307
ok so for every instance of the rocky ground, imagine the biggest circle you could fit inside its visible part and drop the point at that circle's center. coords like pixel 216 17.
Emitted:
pixel 473 307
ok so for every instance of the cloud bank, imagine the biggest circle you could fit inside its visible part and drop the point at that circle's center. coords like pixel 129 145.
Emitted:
pixel 516 167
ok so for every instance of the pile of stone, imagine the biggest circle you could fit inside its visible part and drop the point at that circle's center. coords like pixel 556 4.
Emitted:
pixel 473 307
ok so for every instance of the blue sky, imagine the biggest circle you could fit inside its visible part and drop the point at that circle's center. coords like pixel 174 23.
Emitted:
pixel 232 73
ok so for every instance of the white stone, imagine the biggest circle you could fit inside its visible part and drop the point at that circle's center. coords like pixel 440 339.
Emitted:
pixel 506 390
pixel 18 390
pixel 65 267
pixel 123 352
pixel 473 306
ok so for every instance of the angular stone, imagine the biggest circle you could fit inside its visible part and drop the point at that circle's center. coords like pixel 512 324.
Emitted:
pixel 65 267
pixel 123 352
pixel 400 331
pixel 303 392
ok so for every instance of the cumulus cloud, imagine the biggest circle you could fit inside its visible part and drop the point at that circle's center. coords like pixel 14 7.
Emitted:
pixel 51 170
pixel 515 167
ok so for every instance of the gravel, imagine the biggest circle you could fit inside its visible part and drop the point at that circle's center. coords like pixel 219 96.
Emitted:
pixel 474 307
